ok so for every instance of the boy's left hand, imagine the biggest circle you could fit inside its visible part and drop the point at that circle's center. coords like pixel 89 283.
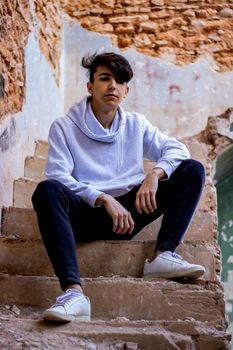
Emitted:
pixel 146 195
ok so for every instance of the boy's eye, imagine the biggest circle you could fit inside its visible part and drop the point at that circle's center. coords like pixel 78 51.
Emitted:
pixel 104 78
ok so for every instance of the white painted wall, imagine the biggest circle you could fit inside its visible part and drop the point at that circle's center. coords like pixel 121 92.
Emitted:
pixel 176 99
pixel 43 103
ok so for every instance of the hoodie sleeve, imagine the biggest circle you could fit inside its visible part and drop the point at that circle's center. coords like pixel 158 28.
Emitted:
pixel 166 151
pixel 60 165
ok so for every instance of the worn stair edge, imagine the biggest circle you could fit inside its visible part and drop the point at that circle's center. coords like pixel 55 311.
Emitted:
pixel 34 168
pixel 103 258
pixel 166 335
pixel 134 299
pixel 41 149
pixel 23 189
pixel 22 223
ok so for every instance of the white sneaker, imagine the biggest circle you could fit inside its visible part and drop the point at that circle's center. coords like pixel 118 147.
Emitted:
pixel 71 306
pixel 171 265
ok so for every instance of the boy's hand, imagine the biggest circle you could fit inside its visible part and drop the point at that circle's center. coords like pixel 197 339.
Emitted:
pixel 145 198
pixel 122 219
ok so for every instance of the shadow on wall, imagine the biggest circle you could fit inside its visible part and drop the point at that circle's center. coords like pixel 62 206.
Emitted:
pixel 224 185
pixel 7 137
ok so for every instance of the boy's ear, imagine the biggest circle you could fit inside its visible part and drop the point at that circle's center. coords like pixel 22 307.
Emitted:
pixel 89 87
pixel 126 91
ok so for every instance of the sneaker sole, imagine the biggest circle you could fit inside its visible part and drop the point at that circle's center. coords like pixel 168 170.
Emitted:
pixel 191 274
pixel 54 316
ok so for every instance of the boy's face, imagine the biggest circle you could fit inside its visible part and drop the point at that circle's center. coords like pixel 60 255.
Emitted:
pixel 106 92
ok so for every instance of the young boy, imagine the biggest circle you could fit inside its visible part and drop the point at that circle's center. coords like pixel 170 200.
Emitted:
pixel 96 188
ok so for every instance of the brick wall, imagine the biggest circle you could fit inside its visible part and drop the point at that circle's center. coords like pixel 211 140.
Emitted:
pixel 13 34
pixel 17 18
pixel 185 28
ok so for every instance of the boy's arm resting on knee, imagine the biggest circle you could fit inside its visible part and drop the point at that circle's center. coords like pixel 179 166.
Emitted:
pixel 146 195
pixel 122 219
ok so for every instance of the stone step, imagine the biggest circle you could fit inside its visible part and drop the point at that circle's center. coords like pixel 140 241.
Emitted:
pixel 135 299
pixel 29 333
pixel 41 149
pixel 34 168
pixel 102 258
pixel 22 223
pixel 22 192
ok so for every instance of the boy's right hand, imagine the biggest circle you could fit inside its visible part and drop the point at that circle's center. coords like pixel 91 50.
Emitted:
pixel 122 219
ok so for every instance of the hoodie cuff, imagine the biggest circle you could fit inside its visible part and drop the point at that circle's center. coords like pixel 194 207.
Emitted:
pixel 90 197
pixel 167 168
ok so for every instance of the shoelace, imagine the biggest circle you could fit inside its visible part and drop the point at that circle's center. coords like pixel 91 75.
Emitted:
pixel 66 298
pixel 176 256
pixel 173 254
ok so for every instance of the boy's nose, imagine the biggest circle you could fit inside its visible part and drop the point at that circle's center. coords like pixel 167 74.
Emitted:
pixel 112 84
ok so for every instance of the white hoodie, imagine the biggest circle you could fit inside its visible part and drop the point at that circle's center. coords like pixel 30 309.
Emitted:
pixel 91 160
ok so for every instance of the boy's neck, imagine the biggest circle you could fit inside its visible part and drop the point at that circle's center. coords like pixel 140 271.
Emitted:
pixel 105 117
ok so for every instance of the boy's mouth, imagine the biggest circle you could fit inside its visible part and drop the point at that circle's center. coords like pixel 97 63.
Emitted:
pixel 111 96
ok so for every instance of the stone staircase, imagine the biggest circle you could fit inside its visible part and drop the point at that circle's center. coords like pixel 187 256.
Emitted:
pixel 127 311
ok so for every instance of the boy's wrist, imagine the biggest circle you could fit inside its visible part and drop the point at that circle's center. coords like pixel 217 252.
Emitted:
pixel 159 172
pixel 101 199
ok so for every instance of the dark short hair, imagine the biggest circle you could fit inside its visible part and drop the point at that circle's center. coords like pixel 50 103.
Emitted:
pixel 118 65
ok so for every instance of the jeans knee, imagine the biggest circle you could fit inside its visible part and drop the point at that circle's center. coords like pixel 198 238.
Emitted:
pixel 44 190
pixel 197 170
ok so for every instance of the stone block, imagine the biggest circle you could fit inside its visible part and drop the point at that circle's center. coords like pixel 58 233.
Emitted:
pixel 125 29
pixel 41 149
pixel 23 190
pixel 20 224
pixel 149 27
pixel 157 2
pixel 128 19
pixel 208 201
pixel 210 26
pixel 102 258
pixel 134 299
pixel 34 168
pixel 199 151
pixel 203 227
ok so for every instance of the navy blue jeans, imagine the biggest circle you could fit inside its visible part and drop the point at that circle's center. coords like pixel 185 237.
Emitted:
pixel 64 219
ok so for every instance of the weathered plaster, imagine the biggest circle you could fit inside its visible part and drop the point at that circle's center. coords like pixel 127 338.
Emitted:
pixel 176 99
pixel 18 132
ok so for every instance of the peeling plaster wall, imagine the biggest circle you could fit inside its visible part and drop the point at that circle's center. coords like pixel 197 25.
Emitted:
pixel 43 103
pixel 184 30
pixel 176 99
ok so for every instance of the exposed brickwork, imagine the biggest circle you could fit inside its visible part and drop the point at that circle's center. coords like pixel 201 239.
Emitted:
pixel 17 19
pixel 13 36
pixel 186 28
pixel 49 25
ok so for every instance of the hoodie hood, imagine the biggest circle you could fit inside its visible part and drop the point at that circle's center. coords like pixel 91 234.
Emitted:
pixel 82 115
